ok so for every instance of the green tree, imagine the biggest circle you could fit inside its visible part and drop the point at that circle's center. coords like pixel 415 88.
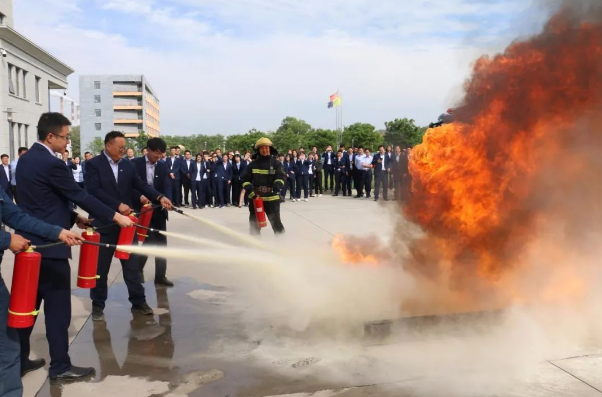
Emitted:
pixel 244 142
pixel 293 125
pixel 403 132
pixel 362 134
pixel 96 146
pixel 285 140
pixel 142 140
pixel 320 138
pixel 75 142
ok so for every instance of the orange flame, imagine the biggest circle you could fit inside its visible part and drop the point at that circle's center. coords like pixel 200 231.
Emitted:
pixel 351 254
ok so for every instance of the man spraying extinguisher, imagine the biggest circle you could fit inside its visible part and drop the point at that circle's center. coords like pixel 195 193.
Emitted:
pixel 263 180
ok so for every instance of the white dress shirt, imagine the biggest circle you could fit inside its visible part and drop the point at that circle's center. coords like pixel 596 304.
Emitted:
pixel 150 172
pixel 7 171
pixel 198 171
pixel 114 166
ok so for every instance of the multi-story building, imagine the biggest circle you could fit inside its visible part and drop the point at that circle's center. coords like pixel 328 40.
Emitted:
pixel 125 103
pixel 28 73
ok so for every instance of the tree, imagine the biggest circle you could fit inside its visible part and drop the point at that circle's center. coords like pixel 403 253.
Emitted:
pixel 403 132
pixel 293 125
pixel 75 142
pixel 285 140
pixel 96 146
pixel 362 134
pixel 142 140
pixel 320 138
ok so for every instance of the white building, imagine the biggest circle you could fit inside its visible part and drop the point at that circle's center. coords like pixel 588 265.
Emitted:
pixel 27 74
pixel 67 106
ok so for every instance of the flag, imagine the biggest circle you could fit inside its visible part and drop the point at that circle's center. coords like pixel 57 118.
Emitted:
pixel 330 104
pixel 336 102
pixel 334 97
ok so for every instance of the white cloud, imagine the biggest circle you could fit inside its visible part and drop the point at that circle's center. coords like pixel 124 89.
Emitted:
pixel 216 79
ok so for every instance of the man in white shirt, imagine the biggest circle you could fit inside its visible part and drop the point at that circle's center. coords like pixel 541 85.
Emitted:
pixel 5 177
pixel 186 177
pixel 13 170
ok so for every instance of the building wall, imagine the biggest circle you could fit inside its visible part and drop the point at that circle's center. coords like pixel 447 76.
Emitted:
pixel 6 8
pixel 110 84
pixel 26 107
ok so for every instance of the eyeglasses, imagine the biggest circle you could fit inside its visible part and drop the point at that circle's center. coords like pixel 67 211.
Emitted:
pixel 66 137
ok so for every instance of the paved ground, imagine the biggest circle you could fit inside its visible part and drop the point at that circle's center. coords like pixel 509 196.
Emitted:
pixel 294 326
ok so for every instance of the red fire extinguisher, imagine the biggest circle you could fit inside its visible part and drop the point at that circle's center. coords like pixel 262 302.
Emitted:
pixel 145 219
pixel 260 212
pixel 88 260
pixel 126 237
pixel 24 290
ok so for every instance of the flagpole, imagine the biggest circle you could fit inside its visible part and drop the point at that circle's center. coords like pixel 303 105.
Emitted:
pixel 341 118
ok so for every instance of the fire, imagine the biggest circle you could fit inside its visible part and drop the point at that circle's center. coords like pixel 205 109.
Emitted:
pixel 522 155
pixel 350 253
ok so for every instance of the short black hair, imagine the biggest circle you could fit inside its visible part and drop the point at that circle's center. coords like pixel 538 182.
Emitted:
pixel 66 151
pixel 113 135
pixel 51 123
pixel 156 144
pixel 87 153
pixel 381 146
pixel 342 146
pixel 187 151
pixel 173 147
pixel 21 150
pixel 3 156
pixel 145 148
pixel 360 147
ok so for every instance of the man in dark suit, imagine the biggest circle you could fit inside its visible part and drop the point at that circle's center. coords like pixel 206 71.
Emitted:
pixel 382 167
pixel 155 174
pixel 302 175
pixel 399 169
pixel 5 176
pixel 112 179
pixel 223 178
pixel 174 163
pixel 238 169
pixel 328 160
pixel 47 188
pixel 340 174
pixel 187 162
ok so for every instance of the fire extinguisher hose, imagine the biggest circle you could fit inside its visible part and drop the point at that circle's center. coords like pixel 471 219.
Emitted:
pixel 136 214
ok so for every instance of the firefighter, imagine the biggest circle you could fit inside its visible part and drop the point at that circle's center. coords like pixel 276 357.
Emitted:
pixel 264 177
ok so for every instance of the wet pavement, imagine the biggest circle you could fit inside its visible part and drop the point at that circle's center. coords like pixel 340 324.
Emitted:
pixel 208 338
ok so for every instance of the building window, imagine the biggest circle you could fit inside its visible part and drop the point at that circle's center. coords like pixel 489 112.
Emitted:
pixel 2 18
pixel 97 126
pixel 96 98
pixel 97 85
pixel 97 112
pixel 24 84
pixel 17 78
pixel 11 86
pixel 38 89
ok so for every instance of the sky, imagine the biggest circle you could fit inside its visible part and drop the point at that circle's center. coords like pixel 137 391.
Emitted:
pixel 228 66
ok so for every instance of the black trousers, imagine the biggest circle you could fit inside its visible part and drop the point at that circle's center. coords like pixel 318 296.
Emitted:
pixel 130 268
pixel 272 211
pixel 54 289
pixel 236 188
pixel 328 175
pixel 341 182
pixel 367 182
pixel 397 184
pixel 318 183
pixel 187 184
pixel 176 191
pixel 302 182
pixel 196 193
pixel 381 178
pixel 290 184
pixel 157 239
pixel 221 192
pixel 311 181
pixel 352 177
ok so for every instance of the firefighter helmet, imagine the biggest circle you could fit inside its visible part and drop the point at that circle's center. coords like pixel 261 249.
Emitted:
pixel 263 142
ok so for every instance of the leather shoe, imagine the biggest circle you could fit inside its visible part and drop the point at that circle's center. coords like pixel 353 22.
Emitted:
pixel 163 281
pixel 73 374
pixel 142 309
pixel 32 365
pixel 97 314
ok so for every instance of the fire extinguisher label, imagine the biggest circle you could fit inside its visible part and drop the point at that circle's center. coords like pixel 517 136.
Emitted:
pixel 259 209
